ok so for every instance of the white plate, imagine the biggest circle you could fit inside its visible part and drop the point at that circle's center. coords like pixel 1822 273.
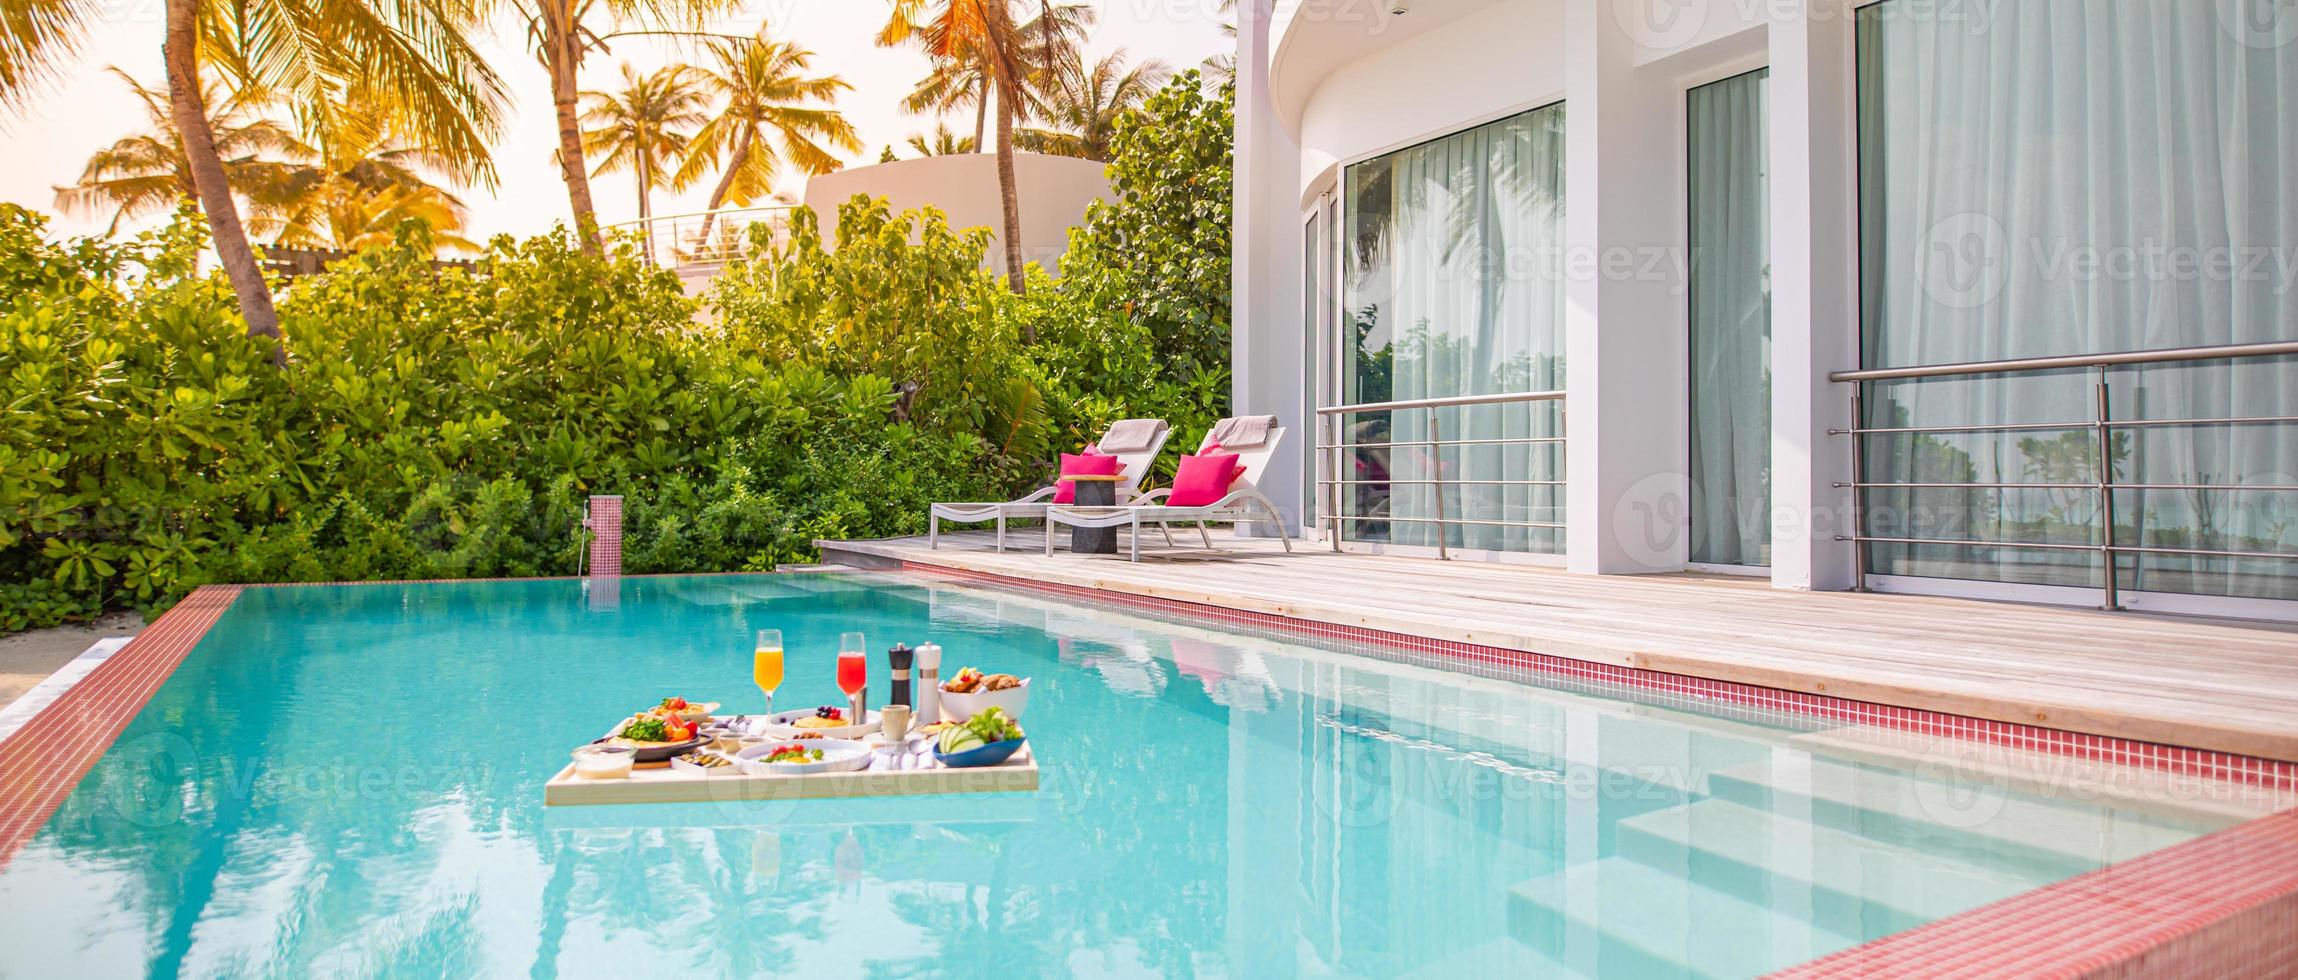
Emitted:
pixel 838 755
pixel 779 725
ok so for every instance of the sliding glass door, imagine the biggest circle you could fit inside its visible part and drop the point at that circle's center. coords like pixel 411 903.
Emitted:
pixel 2076 177
pixel 1452 285
pixel 1729 201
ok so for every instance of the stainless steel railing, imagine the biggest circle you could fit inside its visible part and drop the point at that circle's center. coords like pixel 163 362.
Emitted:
pixel 702 239
pixel 1332 486
pixel 2102 421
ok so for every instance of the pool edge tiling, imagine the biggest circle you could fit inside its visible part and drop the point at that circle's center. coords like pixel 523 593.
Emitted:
pixel 2221 905
pixel 43 761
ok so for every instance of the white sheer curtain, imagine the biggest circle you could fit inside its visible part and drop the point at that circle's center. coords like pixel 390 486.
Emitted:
pixel 1453 283
pixel 2080 176
pixel 1730 229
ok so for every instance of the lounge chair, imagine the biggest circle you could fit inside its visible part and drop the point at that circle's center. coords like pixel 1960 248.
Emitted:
pixel 1237 505
pixel 1134 467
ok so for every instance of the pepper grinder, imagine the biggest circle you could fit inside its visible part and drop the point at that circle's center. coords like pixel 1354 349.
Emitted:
pixel 928 710
pixel 898 662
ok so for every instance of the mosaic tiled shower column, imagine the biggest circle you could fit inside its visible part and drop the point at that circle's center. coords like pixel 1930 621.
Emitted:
pixel 605 523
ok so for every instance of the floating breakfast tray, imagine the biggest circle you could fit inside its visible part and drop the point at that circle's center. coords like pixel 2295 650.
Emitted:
pixel 675 785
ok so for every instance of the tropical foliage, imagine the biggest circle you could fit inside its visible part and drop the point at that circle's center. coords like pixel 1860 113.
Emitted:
pixel 147 173
pixel 643 128
pixel 1140 317
pixel 943 143
pixel 434 424
pixel 1083 102
pixel 775 115
pixel 449 422
pixel 1014 57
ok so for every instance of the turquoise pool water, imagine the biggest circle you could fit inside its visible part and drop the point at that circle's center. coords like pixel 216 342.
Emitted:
pixel 347 781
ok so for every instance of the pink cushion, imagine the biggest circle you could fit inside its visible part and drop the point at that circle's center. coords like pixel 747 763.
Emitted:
pixel 1089 464
pixel 1203 480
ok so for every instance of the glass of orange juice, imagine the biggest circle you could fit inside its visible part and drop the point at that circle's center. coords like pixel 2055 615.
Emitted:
pixel 766 665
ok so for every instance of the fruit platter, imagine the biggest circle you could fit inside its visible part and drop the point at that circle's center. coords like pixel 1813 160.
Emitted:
pixel 826 721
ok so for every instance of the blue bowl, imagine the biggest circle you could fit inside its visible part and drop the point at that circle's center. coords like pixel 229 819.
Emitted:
pixel 987 755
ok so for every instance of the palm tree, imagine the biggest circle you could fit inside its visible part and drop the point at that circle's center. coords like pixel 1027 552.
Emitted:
pixel 766 122
pixel 367 177
pixel 301 51
pixel 562 41
pixel 1086 101
pixel 955 84
pixel 364 218
pixel 944 143
pixel 1220 69
pixel 1016 54
pixel 148 172
pixel 644 128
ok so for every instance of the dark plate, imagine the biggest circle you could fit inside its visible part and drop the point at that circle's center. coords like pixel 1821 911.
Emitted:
pixel 660 753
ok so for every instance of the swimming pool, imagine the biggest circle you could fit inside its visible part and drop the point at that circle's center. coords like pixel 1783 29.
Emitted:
pixel 347 779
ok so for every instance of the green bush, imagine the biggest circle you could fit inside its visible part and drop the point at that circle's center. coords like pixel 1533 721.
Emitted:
pixel 440 423
pixel 430 424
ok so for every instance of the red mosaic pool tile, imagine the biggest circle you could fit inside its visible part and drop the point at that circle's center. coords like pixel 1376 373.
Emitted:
pixel 43 760
pixel 2223 905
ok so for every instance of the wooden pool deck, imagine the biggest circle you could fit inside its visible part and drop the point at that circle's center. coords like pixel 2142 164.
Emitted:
pixel 2220 685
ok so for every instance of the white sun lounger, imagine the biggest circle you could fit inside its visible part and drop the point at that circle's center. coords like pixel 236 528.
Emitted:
pixel 1130 472
pixel 1244 495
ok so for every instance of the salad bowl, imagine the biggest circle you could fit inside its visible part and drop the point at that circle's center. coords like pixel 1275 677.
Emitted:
pixel 985 755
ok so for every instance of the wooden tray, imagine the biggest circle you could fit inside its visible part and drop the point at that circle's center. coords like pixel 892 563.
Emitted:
pixel 1014 775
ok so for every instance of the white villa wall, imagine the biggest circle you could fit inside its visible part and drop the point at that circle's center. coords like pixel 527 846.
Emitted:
pixel 1054 194
pixel 1343 90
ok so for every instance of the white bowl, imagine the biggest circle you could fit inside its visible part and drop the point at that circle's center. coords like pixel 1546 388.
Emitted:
pixel 959 707
pixel 838 755
pixel 604 762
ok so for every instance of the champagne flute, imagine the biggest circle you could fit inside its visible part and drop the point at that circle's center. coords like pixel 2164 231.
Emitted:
pixel 766 665
pixel 853 670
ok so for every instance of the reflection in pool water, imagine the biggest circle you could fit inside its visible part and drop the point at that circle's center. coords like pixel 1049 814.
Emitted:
pixel 347 780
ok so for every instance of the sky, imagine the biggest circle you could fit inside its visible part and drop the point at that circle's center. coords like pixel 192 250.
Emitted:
pixel 49 138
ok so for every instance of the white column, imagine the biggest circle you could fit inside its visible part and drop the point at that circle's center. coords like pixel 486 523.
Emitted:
pixel 1266 334
pixel 1624 327
pixel 1814 290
